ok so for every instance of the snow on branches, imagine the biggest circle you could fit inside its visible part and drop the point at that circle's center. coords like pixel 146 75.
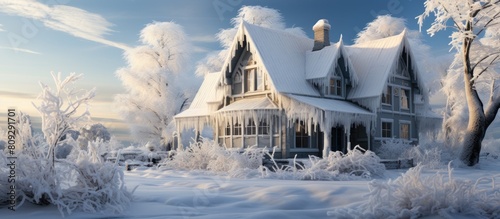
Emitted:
pixel 60 108
pixel 154 81
pixel 475 37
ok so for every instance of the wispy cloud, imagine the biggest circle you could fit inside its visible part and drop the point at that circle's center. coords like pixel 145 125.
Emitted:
pixel 204 39
pixel 71 20
pixel 21 50
pixel 1 28
pixel 17 95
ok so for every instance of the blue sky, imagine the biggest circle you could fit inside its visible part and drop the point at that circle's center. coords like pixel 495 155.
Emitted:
pixel 31 45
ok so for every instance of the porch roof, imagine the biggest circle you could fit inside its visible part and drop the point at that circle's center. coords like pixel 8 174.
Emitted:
pixel 332 105
pixel 260 103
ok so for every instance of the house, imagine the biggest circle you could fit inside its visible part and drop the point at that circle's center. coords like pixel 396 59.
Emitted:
pixel 310 96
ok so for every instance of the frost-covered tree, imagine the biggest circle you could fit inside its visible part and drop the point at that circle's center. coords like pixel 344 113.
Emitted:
pixel 90 133
pixel 383 26
pixel 156 88
pixel 476 35
pixel 257 15
pixel 60 109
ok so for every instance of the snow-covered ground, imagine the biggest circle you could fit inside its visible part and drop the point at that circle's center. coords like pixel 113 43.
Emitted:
pixel 197 194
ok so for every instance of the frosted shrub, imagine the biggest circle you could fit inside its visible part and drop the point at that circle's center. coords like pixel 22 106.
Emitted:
pixel 393 148
pixel 355 164
pixel 98 186
pixel 83 183
pixel 412 195
pixel 432 155
pixel 208 155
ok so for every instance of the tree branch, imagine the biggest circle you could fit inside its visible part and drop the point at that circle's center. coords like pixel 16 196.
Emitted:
pixel 493 106
pixel 484 58
pixel 484 70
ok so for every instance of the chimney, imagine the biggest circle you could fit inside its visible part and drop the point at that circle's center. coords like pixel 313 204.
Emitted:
pixel 321 34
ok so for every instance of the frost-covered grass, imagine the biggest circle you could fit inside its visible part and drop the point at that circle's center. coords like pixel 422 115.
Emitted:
pixel 355 164
pixel 415 195
pixel 247 163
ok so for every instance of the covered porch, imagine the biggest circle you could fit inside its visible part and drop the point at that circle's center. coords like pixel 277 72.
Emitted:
pixel 331 124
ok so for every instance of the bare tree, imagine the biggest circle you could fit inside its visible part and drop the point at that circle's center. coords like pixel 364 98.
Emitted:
pixel 60 110
pixel 476 39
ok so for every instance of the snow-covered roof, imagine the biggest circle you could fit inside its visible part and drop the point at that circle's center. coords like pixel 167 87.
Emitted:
pixel 319 62
pixel 373 61
pixel 208 92
pixel 261 103
pixel 332 105
pixel 282 55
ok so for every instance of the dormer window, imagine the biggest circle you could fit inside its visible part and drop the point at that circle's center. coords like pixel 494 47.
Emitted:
pixel 335 85
pixel 248 77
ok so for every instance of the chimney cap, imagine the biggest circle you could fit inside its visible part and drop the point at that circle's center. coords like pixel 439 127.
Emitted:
pixel 322 24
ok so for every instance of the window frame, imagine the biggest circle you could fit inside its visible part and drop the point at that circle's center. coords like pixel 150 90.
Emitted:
pixel 384 130
pixel 335 83
pixel 408 123
pixel 300 128
pixel 388 92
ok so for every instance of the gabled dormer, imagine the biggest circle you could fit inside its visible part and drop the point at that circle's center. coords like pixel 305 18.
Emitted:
pixel 248 78
pixel 328 70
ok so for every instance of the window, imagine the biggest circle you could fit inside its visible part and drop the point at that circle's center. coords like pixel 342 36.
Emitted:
pixel 263 128
pixel 249 80
pixel 250 128
pixel 405 101
pixel 404 130
pixel 237 83
pixel 301 137
pixel 387 96
pixel 259 81
pixel 237 129
pixel 335 87
pixel 228 129
pixel 386 129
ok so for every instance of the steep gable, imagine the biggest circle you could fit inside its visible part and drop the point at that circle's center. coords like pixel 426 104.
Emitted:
pixel 373 62
pixel 282 55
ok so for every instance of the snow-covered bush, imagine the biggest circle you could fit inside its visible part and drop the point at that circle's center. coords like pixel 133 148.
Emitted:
pixel 247 163
pixel 432 155
pixel 208 155
pixel 98 186
pixel 355 164
pixel 413 195
pixel 393 148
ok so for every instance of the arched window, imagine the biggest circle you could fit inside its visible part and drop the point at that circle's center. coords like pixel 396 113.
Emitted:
pixel 237 83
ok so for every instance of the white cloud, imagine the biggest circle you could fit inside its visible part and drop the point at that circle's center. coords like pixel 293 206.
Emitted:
pixel 1 28
pixel 204 39
pixel 21 50
pixel 71 20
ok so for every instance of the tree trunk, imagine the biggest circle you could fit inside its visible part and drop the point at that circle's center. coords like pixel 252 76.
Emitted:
pixel 476 127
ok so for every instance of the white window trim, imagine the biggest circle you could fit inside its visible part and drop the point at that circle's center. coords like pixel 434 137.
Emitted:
pixel 333 75
pixel 392 128
pixel 409 128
